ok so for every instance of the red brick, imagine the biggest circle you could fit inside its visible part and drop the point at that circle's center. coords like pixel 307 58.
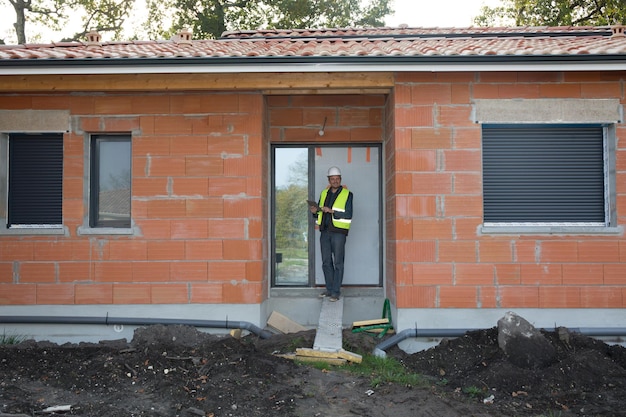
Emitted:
pixel 131 294
pixel 151 145
pixel 167 166
pixel 93 294
pixel 184 186
pixel 431 183
pixel 457 251
pixel 495 251
pixel 414 116
pixel 417 297
pixel 151 272
pixel 415 251
pixel 463 206
pixel 226 145
pixel 403 230
pixel 166 250
pixel 166 209
pixel 18 294
pixel 203 250
pixel 467 183
pixel 559 297
pixel 227 186
pixel 458 297
pixel 14 250
pixel 74 271
pixel 6 272
pixel 423 229
pixel 112 104
pixel 155 229
pixel 205 208
pixel 463 161
pixel 615 274
pixel 601 297
pixel 169 293
pixel 518 91
pixel 242 207
pixel 112 271
pixel 188 145
pixel 559 251
pixel 416 206
pixel 541 274
pixel 167 125
pixel 508 274
pixel 227 271
pixel 151 104
pixel 474 274
pixel 206 293
pixel 189 229
pixel 431 94
pixel 121 124
pixel 432 274
pixel 189 271
pixel 128 250
pixel 55 294
pixel 519 297
pixel 455 116
pixel 248 293
pixel 583 274
pixel 598 251
pixel 37 272
pixel 206 165
pixel 227 228
pixel 243 249
pixel 255 271
pixel 559 90
pixel 415 160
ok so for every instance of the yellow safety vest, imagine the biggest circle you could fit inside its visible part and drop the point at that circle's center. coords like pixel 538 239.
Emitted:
pixel 338 205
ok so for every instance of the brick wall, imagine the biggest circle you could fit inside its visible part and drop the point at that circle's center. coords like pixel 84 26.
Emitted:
pixel 434 196
pixel 198 202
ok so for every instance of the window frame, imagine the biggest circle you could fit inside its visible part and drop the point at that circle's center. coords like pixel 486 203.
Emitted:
pixel 609 226
pixel 91 224
pixel 25 229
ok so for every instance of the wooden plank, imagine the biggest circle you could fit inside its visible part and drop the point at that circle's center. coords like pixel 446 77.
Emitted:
pixel 275 82
pixel 332 361
pixel 283 324
pixel 349 356
pixel 340 354
pixel 370 322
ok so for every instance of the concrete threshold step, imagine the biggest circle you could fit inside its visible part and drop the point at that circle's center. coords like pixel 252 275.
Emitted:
pixel 328 336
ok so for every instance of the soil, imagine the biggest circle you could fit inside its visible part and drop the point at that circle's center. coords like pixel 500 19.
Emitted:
pixel 179 371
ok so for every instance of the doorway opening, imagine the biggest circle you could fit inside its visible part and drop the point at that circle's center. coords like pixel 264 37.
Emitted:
pixel 299 174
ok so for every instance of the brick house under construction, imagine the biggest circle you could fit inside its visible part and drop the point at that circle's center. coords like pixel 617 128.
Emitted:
pixel 168 179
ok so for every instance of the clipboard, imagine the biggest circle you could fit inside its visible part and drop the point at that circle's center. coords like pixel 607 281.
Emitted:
pixel 313 204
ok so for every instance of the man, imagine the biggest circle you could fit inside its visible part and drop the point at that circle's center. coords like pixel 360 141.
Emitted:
pixel 333 216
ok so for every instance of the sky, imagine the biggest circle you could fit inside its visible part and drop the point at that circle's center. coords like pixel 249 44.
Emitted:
pixel 415 13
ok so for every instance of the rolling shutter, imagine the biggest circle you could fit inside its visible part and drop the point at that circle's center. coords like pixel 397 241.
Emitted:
pixel 543 174
pixel 35 180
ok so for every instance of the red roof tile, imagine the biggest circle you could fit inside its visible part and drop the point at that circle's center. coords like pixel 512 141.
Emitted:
pixel 350 42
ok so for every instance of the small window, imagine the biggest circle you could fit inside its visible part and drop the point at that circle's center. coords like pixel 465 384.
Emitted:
pixel 110 181
pixel 35 181
pixel 545 175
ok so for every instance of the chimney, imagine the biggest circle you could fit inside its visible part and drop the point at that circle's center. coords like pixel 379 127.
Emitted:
pixel 184 37
pixel 93 37
pixel 618 31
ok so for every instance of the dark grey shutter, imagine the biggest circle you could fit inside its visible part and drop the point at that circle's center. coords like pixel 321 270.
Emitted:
pixel 543 173
pixel 35 179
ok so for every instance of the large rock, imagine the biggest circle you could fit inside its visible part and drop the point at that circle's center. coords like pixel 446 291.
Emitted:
pixel 523 344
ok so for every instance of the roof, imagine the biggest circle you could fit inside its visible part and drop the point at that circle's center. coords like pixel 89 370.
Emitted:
pixel 350 45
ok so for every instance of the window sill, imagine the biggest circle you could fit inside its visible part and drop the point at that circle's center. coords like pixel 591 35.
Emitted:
pixel 86 231
pixel 549 230
pixel 32 231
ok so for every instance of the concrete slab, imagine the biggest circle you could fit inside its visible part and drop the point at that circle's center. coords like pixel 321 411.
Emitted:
pixel 328 335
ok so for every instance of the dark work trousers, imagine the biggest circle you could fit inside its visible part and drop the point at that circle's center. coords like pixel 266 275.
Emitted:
pixel 333 249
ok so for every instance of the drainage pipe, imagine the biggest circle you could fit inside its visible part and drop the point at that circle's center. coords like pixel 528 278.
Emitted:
pixel 214 324
pixel 379 350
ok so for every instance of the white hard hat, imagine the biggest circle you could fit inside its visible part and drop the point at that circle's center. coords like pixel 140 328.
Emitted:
pixel 333 171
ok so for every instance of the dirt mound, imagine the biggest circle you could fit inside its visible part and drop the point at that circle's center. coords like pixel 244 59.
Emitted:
pixel 178 371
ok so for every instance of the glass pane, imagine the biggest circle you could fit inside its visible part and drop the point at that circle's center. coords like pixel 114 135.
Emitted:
pixel 114 181
pixel 291 217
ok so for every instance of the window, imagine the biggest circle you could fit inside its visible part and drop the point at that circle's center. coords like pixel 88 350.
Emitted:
pixel 109 203
pixel 35 181
pixel 546 175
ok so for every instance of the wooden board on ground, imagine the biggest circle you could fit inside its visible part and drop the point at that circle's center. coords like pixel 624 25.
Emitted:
pixel 283 324
pixel 370 322
pixel 340 354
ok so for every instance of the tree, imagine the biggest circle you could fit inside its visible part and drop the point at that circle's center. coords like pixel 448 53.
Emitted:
pixel 554 13
pixel 210 18
pixel 101 15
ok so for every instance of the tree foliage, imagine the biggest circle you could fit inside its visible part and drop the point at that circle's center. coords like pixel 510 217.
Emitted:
pixel 554 13
pixel 105 16
pixel 208 19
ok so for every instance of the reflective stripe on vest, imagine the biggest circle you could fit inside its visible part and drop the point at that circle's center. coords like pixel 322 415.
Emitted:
pixel 338 205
